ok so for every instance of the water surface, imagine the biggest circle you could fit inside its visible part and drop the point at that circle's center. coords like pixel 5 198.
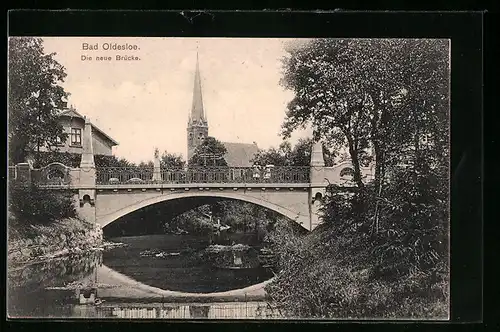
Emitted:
pixel 120 275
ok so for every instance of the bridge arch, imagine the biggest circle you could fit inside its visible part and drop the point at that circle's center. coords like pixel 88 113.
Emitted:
pixel 297 216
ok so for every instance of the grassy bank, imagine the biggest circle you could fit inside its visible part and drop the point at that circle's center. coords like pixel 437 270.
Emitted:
pixel 324 275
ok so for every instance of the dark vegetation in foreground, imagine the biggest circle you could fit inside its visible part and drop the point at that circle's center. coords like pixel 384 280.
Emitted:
pixel 32 205
pixel 382 250
pixel 343 269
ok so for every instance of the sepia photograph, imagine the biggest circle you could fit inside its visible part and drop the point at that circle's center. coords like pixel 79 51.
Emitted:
pixel 228 178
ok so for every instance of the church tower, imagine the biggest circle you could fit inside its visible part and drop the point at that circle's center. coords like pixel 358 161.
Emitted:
pixel 197 129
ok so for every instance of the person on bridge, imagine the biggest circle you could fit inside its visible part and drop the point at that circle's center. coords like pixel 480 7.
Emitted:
pixel 256 173
pixel 267 174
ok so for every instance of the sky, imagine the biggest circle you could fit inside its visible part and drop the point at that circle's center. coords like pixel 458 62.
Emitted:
pixel 145 103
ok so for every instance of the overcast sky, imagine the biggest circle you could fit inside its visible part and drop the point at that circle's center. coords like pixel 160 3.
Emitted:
pixel 145 104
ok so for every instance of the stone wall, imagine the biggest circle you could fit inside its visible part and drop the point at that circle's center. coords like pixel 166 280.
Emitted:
pixel 35 242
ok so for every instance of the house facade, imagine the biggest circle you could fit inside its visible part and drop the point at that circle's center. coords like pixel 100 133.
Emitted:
pixel 74 125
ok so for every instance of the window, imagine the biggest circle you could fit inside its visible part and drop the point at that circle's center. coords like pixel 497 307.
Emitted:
pixel 76 136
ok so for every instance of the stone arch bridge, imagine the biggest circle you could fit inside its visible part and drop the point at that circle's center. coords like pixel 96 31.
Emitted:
pixel 103 195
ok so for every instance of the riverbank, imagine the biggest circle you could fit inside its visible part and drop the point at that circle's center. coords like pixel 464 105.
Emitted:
pixel 35 242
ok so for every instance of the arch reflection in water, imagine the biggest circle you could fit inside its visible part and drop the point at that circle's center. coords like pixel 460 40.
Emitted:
pixel 188 263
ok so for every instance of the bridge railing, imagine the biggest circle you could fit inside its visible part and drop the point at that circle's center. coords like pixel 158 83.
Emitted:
pixel 122 175
pixel 137 175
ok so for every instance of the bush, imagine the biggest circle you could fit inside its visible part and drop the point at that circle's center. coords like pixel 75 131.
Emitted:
pixel 73 159
pixel 323 275
pixel 43 159
pixel 30 204
pixel 345 268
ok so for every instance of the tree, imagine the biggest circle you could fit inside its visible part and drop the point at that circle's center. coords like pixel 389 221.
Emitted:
pixel 365 94
pixel 273 156
pixel 112 161
pixel 388 95
pixel 171 161
pixel 210 153
pixel 35 98
pixel 146 165
pixel 327 78
pixel 387 99
pixel 301 153
pixel 285 155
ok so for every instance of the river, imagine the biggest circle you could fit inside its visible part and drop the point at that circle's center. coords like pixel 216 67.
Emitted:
pixel 151 276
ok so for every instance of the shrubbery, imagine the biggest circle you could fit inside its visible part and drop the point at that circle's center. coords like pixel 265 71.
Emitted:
pixel 42 159
pixel 73 159
pixel 30 204
pixel 347 268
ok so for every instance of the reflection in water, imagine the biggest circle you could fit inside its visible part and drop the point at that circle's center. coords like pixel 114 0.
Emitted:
pixel 180 263
pixel 85 286
pixel 234 310
pixel 28 295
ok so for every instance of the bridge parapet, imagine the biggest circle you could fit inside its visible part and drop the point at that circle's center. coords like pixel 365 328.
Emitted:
pixel 342 174
pixel 53 175
pixel 193 175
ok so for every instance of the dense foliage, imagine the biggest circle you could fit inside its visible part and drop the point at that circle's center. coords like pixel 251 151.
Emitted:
pixel 210 153
pixel 240 216
pixel 31 205
pixel 35 98
pixel 193 221
pixel 382 250
pixel 171 161
pixel 286 155
pixel 44 158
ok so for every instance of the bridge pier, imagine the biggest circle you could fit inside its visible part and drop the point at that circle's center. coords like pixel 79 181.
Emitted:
pixel 318 185
pixel 86 194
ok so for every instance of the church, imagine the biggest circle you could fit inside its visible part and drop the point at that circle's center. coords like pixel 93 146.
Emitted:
pixel 238 154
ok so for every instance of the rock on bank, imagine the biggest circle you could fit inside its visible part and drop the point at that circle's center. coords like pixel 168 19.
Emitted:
pixel 32 242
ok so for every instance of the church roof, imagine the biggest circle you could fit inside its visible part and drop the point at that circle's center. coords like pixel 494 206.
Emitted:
pixel 197 110
pixel 240 154
pixel 72 113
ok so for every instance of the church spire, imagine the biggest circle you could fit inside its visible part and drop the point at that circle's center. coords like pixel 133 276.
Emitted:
pixel 197 111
